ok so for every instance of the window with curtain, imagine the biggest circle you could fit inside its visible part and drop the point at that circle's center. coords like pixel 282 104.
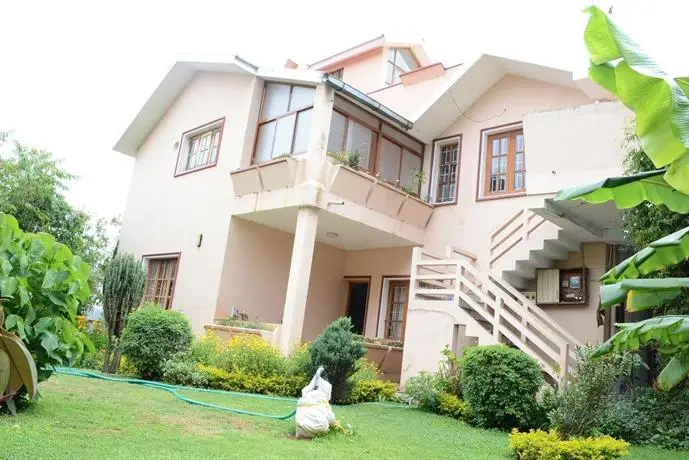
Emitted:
pixel 400 60
pixel 161 274
pixel 505 170
pixel 383 151
pixel 199 147
pixel 284 121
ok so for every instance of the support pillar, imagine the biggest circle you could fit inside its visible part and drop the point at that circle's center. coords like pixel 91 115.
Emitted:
pixel 298 283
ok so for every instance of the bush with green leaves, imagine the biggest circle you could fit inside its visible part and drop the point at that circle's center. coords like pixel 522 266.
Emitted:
pixel 582 402
pixel 337 349
pixel 424 390
pixel 153 335
pixel 449 404
pixel 42 285
pixel 239 380
pixel 542 445
pixel 500 385
pixel 371 391
pixel 650 417
pixel 124 279
pixel 450 373
pixel 181 369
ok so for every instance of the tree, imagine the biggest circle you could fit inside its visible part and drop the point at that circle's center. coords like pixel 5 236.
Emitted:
pixel 661 104
pixel 32 187
pixel 123 286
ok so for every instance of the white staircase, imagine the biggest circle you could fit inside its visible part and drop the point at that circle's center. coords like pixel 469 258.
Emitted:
pixel 526 242
pixel 489 309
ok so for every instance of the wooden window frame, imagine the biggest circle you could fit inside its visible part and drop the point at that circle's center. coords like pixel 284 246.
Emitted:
pixel 337 73
pixel 394 65
pixel 561 274
pixel 374 157
pixel 187 136
pixel 483 172
pixel 146 259
pixel 260 122
pixel 388 311
pixel 434 180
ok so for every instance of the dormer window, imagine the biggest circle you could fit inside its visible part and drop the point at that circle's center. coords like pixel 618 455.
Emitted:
pixel 400 60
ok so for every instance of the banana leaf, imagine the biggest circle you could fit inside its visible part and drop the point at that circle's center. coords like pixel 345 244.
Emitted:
pixel 669 250
pixel 659 101
pixel 670 332
pixel 642 294
pixel 629 191
pixel 673 373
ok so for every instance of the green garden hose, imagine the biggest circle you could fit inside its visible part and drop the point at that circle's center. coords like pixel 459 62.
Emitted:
pixel 173 389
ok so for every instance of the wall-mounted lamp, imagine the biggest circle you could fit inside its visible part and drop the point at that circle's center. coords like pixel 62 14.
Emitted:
pixel 331 235
pixel 199 240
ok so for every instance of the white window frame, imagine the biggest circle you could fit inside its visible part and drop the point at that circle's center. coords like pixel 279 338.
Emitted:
pixel 435 168
pixel 482 192
pixel 185 146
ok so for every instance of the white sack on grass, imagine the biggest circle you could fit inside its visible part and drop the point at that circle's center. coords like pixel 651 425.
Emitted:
pixel 314 414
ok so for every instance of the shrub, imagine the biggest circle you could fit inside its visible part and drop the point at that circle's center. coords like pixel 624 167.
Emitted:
pixel 182 370
pixel 42 285
pixel 206 349
pixel 449 404
pixel 152 335
pixel 650 417
pixel 541 445
pixel 99 338
pixel 251 354
pixel 281 385
pixel 583 402
pixel 424 391
pixel 500 386
pixel 124 279
pixel 127 368
pixel 337 349
pixel 371 390
pixel 450 373
pixel 364 370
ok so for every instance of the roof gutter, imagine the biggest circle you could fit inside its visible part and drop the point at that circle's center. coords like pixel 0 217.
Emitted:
pixel 368 101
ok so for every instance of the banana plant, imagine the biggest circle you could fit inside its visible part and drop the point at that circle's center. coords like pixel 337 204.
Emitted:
pixel 17 368
pixel 661 105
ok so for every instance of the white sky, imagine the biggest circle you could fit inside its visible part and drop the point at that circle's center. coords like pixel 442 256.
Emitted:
pixel 73 74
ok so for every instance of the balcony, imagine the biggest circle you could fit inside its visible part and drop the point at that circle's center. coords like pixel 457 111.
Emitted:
pixel 270 193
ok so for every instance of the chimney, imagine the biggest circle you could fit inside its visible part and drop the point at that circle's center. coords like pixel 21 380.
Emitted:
pixel 290 64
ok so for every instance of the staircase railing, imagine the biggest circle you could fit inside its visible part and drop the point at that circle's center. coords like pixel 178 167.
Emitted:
pixel 513 231
pixel 508 314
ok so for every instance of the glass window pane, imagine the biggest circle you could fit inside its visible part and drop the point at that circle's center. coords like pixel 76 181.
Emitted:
pixel 356 111
pixel 301 135
pixel 494 165
pixel 405 60
pixel 520 143
pixel 518 181
pixel 496 148
pixel 503 164
pixel 337 131
pixel 388 168
pixel 301 97
pixel 264 144
pixel 390 73
pixel 396 75
pixel 411 165
pixel 519 161
pixel 275 101
pixel 283 136
pixel 503 145
pixel 403 139
pixel 361 140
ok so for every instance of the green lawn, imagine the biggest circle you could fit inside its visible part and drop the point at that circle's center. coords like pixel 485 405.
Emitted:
pixel 83 418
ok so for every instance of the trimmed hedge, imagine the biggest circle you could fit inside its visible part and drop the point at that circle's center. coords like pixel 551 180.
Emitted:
pixel 371 390
pixel 542 445
pixel 280 385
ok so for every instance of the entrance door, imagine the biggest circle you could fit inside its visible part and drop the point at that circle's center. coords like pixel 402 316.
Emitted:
pixel 356 304
pixel 396 317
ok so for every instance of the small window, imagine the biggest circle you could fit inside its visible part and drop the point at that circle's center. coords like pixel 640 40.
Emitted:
pixel 161 275
pixel 199 147
pixel 285 121
pixel 566 286
pixel 446 171
pixel 505 166
pixel 400 60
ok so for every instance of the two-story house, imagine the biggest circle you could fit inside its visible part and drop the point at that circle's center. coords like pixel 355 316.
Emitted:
pixel 443 232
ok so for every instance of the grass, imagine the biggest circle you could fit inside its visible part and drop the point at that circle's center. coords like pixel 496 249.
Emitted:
pixel 91 419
